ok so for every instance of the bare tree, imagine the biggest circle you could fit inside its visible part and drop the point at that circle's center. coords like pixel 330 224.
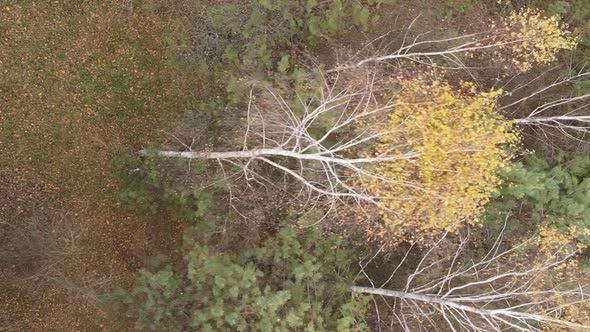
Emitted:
pixel 493 293
pixel 323 148
pixel 333 164
pixel 35 250
pixel 275 132
pixel 568 114
pixel 326 165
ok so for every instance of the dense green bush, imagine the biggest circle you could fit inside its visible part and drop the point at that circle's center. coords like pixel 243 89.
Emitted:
pixel 143 187
pixel 554 193
pixel 292 282
pixel 271 33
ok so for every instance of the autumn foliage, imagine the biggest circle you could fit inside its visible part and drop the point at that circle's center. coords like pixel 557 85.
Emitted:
pixel 527 38
pixel 553 245
pixel 462 141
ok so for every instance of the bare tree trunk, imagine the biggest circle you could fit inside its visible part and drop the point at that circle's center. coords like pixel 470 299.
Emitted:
pixel 491 314
pixel 488 294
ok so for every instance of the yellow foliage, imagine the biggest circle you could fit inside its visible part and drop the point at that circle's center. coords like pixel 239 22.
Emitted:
pixel 530 38
pixel 462 143
pixel 551 242
pixel 553 245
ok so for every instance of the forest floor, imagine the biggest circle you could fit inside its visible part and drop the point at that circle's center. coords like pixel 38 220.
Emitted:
pixel 80 84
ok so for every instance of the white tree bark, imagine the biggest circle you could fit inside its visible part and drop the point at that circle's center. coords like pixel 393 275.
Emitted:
pixel 491 294
pixel 258 153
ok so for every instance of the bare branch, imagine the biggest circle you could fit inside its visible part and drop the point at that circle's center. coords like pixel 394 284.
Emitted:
pixel 485 295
